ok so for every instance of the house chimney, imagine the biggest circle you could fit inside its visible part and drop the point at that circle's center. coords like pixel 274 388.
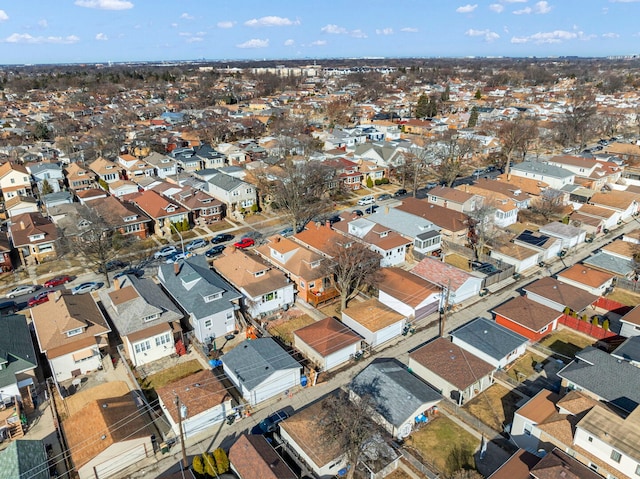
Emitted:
pixel 176 268
pixel 386 210
pixel 327 224
pixel 116 283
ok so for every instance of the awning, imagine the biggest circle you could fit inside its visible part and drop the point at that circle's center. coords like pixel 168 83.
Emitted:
pixel 84 354
pixel 25 382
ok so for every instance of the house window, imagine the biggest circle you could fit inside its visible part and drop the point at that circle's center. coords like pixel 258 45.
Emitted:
pixel 527 429
pixel 151 317
pixel 590 439
pixel 544 330
pixel 229 315
pixel 207 323
pixel 312 284
pixel 142 346
pixel 164 339
pixel 638 470
pixel 616 456
pixel 73 332
pixel 132 228
pixel 302 284
pixel 13 180
pixel 269 296
pixel 212 297
pixel 593 466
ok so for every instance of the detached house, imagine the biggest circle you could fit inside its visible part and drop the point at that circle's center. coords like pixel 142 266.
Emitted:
pixel 624 203
pixel 106 170
pixel 163 212
pixel 145 318
pixel 408 294
pixel 126 218
pixel 209 301
pixel 71 333
pixel 455 199
pixel 555 176
pixel 34 237
pixel 133 167
pixel 302 266
pixel 18 362
pixel 49 172
pixel 204 208
pixel 234 193
pixel 265 289
pixel 163 165
pixel 15 180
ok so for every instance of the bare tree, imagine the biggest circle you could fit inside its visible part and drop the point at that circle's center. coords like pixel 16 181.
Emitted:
pixel 516 135
pixel 482 227
pixel 452 156
pixel 577 125
pixel 548 204
pixel 353 266
pixel 299 190
pixel 348 424
pixel 414 171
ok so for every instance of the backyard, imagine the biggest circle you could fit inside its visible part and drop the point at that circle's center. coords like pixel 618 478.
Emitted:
pixel 444 445
pixel 494 406
pixel 566 342
pixel 628 298
pixel 291 321
pixel 524 367
pixel 166 376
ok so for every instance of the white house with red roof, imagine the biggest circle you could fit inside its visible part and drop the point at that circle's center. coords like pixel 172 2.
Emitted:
pixel 457 284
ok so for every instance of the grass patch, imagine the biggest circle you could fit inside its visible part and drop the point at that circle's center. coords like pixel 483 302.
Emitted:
pixel 458 261
pixel 525 366
pixel 398 474
pixel 625 297
pixel 332 309
pixel 445 445
pixel 174 373
pixel 494 406
pixel 284 328
pixel 566 342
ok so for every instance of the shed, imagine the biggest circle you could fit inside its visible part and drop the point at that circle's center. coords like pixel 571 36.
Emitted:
pixel 374 321
pixel 327 343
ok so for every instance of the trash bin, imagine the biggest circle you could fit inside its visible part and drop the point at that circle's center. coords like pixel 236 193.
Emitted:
pixel 164 448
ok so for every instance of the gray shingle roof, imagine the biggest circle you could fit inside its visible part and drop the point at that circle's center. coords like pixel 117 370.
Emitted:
pixel 616 381
pixel 610 263
pixel 397 393
pixel 16 349
pixel 404 223
pixel 253 362
pixel 24 458
pixel 489 337
pixel 542 169
pixel 226 182
pixel 151 300
pixel 192 300
pixel 629 350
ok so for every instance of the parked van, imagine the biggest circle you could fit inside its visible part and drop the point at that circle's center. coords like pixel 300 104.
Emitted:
pixel 366 200
pixel 8 307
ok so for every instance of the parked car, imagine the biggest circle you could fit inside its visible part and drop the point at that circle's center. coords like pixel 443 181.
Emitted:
pixel 384 196
pixel 8 307
pixel 215 251
pixel 196 243
pixel 286 232
pixel 137 272
pixel 83 288
pixel 178 255
pixel 431 184
pixel 20 290
pixel 270 424
pixel 358 212
pixel 400 192
pixel 112 265
pixel 39 298
pixel 221 238
pixel 371 209
pixel 244 243
pixel 165 251
pixel 57 281
pixel 366 200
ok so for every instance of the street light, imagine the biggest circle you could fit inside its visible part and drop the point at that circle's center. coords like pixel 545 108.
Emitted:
pixel 179 234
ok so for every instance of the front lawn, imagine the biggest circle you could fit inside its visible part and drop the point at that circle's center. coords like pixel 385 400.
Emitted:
pixel 494 406
pixel 566 342
pixel 444 445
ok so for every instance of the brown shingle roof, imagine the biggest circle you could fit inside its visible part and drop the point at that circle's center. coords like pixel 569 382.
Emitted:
pixel 527 313
pixel 440 216
pixel 559 465
pixel 575 298
pixel 30 224
pixel 327 336
pixel 619 200
pixel 155 205
pixel 372 314
pixel 451 363
pixel 540 407
pixel 585 275
pixel 254 458
pixel 517 467
pixel 405 286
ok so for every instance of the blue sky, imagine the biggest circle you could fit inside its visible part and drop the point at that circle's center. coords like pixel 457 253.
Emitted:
pixel 77 31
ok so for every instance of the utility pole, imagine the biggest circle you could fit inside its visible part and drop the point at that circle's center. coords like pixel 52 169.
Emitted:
pixel 185 464
pixel 445 309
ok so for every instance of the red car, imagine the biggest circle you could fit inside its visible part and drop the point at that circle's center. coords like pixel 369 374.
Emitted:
pixel 38 299
pixel 58 280
pixel 244 243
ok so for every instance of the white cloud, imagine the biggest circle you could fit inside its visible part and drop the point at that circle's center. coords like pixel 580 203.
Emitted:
pixel 487 34
pixel 523 11
pixel 542 7
pixel 467 8
pixel 409 29
pixel 43 23
pixel 556 36
pixel 226 24
pixel 194 39
pixel 496 7
pixel 26 38
pixel 101 36
pixel 611 35
pixel 336 30
pixel 254 43
pixel 174 25
pixel 318 43
pixel 333 29
pixel 289 43
pixel 3 16
pixel 105 4
pixel 384 31
pixel 271 21
pixel 186 16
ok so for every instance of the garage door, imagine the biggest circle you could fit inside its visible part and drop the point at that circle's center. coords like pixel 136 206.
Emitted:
pixel 337 358
pixel 426 310
pixel 388 333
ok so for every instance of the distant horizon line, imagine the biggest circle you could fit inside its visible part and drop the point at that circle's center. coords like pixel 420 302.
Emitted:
pixel 365 57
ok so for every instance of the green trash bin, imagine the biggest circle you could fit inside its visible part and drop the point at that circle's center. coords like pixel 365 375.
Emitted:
pixel 164 448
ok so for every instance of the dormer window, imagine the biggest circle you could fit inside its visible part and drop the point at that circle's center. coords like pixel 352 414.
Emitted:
pixel 315 264
pixel 36 237
pixel 384 234
pixel 259 273
pixel 130 218
pixel 151 317
pixel 212 297
pixel 74 332
pixel 171 209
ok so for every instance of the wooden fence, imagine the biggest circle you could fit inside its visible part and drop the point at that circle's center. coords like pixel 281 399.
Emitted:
pixel 586 327
pixel 628 284
pixel 613 306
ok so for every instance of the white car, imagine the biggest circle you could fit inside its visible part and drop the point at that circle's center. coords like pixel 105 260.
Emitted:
pixel 20 290
pixel 85 288
pixel 165 251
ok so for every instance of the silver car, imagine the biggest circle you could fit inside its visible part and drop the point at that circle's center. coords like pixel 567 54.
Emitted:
pixel 20 290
